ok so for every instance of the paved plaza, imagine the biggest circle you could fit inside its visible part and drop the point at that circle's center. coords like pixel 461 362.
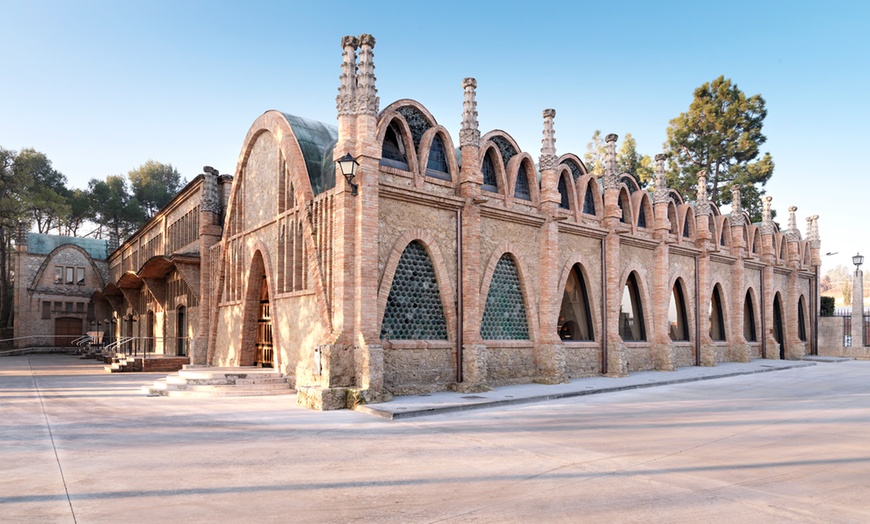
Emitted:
pixel 80 445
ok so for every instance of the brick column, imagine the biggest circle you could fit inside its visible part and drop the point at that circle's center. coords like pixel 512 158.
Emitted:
pixel 549 351
pixel 768 256
pixel 22 308
pixel 665 360
pixel 705 290
pixel 209 234
pixel 617 365
pixel 739 347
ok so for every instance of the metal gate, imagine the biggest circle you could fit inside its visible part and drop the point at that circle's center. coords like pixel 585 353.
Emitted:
pixel 265 353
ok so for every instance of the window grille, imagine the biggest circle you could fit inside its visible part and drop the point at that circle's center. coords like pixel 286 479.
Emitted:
pixel 521 190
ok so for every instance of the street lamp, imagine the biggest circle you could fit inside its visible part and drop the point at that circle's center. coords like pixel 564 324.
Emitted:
pixel 348 165
pixel 858 260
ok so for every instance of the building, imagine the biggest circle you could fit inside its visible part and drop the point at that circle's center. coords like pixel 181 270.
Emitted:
pixel 440 267
pixel 55 279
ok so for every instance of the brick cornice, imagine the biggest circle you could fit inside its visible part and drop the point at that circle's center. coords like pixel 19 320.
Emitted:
pixel 405 194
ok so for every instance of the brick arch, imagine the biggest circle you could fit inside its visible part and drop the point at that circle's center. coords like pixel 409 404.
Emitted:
pixel 575 159
pixel 442 276
pixel 582 184
pixel 641 200
pixel 276 124
pixel 498 164
pixel 756 310
pixel 386 119
pixel 646 301
pixel 259 265
pixel 673 218
pixel 564 173
pixel 723 230
pixel 687 213
pixel 405 102
pixel 449 150
pixel 624 197
pixel 507 248
pixel 804 315
pixel 724 302
pixel 594 304
pixel 512 171
pixel 688 299
pixel 56 251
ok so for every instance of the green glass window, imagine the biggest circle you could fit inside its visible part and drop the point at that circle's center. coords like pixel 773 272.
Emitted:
pixel 414 310
pixel 504 316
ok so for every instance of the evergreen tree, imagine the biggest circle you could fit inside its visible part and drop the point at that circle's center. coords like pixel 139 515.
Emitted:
pixel 154 185
pixel 116 210
pixel 720 133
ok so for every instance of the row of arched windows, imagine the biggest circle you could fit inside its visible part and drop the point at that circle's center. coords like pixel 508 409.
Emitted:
pixel 414 310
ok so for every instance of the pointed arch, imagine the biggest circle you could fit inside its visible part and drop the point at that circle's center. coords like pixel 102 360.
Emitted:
pixel 397 149
pixel 750 317
pixel 577 320
pixel 688 226
pixel 255 276
pixel 505 316
pixel 574 164
pixel 718 329
pixel 802 319
pixel 672 218
pixel 492 169
pixel 624 202
pixel 437 155
pixel 414 309
pixel 442 278
pixel 632 324
pixel 678 313
pixel 724 239
pixel 521 178
pixel 566 189
pixel 589 193
pixel 508 250
pixel 49 259
pixel 642 206
pixel 778 324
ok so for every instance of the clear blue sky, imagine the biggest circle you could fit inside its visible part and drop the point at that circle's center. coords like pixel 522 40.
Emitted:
pixel 101 87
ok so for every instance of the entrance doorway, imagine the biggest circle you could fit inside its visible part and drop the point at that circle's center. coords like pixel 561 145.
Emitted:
pixel 66 330
pixel 265 353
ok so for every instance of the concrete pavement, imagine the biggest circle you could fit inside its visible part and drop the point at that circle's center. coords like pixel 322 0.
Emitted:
pixel 79 445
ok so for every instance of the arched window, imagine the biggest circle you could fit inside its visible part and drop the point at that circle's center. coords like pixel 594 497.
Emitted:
pixel 437 164
pixel 393 148
pixel 802 328
pixel 589 201
pixel 575 317
pixel 749 332
pixel 521 189
pixel 777 325
pixel 414 310
pixel 672 218
pixel 678 323
pixel 641 217
pixel 504 316
pixel 181 331
pixel 563 193
pixel 782 249
pixel 490 179
pixel 631 327
pixel 722 236
pixel 717 319
pixel 686 225
pixel 623 205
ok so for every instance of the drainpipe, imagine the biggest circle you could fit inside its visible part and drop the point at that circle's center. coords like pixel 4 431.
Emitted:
pixel 815 348
pixel 603 308
pixel 763 318
pixel 697 315
pixel 459 309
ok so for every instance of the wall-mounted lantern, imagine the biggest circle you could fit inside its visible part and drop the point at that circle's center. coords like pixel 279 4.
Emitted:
pixel 348 165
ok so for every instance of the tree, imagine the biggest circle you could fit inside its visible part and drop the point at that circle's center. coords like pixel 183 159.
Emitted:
pixel 720 133
pixel 46 191
pixel 116 211
pixel 80 211
pixel 13 209
pixel 847 293
pixel 154 185
pixel 628 160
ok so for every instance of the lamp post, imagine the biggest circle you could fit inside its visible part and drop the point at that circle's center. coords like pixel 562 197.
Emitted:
pixel 348 165
pixel 858 302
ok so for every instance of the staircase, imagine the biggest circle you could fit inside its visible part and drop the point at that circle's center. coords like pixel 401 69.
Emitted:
pixel 153 364
pixel 204 382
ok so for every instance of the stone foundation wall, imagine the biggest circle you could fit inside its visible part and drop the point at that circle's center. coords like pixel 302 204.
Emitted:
pixel 421 368
pixel 582 360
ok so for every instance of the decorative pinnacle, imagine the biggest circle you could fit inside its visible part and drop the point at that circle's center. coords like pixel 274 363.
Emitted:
pixel 548 143
pixel 702 205
pixel 469 133
pixel 766 217
pixel 344 102
pixel 660 195
pixel 611 178
pixel 367 100
pixel 736 217
pixel 366 39
pixel 349 41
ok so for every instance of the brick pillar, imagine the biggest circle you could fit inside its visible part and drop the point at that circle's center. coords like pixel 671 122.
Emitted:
pixel 705 290
pixel 210 229
pixel 369 353
pixel 768 256
pixel 665 359
pixel 858 308
pixel 22 307
pixel 472 355
pixel 549 351
pixel 737 220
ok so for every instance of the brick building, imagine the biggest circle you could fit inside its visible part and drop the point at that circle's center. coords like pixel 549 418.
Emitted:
pixel 55 279
pixel 453 267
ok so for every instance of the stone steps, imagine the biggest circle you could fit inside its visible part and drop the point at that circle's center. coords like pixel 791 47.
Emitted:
pixel 200 382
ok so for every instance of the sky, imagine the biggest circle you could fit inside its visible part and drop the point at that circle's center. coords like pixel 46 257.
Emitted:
pixel 102 87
